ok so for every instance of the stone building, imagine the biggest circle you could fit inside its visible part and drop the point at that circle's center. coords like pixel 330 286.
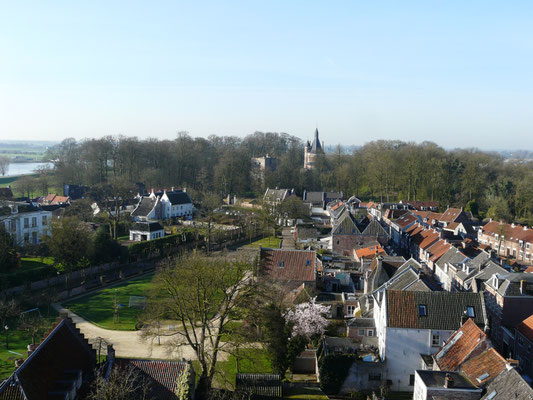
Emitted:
pixel 312 150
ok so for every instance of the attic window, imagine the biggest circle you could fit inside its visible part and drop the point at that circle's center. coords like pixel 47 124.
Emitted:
pixel 482 377
pixel 422 310
pixel 280 264
pixel 308 262
pixel 470 312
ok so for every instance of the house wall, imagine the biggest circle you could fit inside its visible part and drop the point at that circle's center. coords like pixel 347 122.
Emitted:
pixel 35 229
pixel 523 352
pixel 402 353
pixel 422 392
pixel 136 235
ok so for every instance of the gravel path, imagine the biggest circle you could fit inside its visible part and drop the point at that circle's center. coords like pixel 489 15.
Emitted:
pixel 130 344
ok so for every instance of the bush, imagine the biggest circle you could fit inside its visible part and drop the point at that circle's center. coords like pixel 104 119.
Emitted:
pixel 333 371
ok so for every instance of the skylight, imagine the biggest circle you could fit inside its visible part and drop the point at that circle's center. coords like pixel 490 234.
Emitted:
pixel 470 312
pixel 422 310
pixel 482 377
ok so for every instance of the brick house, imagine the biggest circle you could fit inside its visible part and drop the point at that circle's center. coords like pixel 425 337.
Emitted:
pixel 523 346
pixel 508 240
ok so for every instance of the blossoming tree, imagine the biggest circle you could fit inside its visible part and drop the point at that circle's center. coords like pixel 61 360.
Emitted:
pixel 308 319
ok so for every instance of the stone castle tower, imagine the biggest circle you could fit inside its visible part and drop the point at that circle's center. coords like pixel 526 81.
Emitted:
pixel 311 151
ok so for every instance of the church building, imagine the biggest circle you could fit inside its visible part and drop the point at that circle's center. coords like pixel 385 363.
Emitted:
pixel 312 150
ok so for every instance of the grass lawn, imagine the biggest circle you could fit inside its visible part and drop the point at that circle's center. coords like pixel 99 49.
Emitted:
pixel 250 361
pixel 98 307
pixel 311 393
pixel 7 180
pixel 270 241
pixel 18 342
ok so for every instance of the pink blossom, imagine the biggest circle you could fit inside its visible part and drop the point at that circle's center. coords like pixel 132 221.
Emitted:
pixel 308 319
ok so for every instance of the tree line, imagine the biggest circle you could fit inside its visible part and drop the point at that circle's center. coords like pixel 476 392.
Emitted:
pixel 485 183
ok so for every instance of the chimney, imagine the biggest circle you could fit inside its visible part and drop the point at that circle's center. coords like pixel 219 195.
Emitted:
pixel 464 318
pixel 523 285
pixel 110 352
pixel 448 381
pixel 172 188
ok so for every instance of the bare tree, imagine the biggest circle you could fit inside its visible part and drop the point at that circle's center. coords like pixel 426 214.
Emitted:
pixel 121 384
pixel 203 294
pixel 8 309
pixel 4 165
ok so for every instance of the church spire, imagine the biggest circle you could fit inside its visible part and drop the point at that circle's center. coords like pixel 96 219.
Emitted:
pixel 317 146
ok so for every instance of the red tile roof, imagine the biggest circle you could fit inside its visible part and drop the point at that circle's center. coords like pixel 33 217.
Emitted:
pixel 405 220
pixel 528 269
pixel 438 249
pixel 369 251
pixel 526 327
pixel 425 238
pixel 460 346
pixel 484 367
pixel 289 265
pixel 512 233
pixel 450 215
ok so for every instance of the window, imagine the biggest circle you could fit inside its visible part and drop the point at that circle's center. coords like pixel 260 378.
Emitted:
pixel 361 332
pixel 280 264
pixel 411 380
pixel 435 340
pixel 26 237
pixel 307 262
pixel 350 310
pixel 520 341
pixel 33 222
pixel 370 332
pixel 470 312
pixel 45 221
pixel 34 237
pixel 26 222
pixel 422 310
pixel 374 377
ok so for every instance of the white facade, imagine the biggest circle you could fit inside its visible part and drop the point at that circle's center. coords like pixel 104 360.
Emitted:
pixel 400 348
pixel 170 210
pixel 139 236
pixel 27 227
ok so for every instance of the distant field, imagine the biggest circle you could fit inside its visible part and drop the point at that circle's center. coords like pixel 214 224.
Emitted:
pixel 271 242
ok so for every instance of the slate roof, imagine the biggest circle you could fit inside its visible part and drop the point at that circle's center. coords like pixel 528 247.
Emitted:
pixel 345 225
pixel 361 323
pixel 452 256
pixel 420 204
pixel 510 282
pixel 289 265
pixel 63 349
pixel 144 207
pixel 508 385
pixel 406 280
pixel 434 379
pixel 460 346
pixel 275 195
pixel 316 146
pixel 152 226
pixel 375 229
pixel 162 375
pixel 443 309
pixel 526 327
pixel 485 367
pixel 177 197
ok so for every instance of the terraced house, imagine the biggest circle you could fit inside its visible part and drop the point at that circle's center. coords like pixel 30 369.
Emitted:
pixel 508 240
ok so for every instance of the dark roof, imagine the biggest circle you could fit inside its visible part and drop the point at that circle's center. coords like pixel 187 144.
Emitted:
pixel 434 379
pixel 147 226
pixel 443 310
pixel 264 385
pixel 6 193
pixel 509 284
pixel 146 205
pixel 289 265
pixel 345 225
pixel 375 229
pixel 316 146
pixel 361 323
pixel 63 349
pixel 526 327
pixel 508 385
pixel 163 375
pixel 179 197
pixel 314 197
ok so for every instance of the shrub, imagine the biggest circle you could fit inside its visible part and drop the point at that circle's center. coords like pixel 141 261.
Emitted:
pixel 333 371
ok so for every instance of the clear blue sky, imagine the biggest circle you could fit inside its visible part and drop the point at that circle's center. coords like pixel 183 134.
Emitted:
pixel 455 72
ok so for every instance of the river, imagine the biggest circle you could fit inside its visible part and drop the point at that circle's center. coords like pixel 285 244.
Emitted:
pixel 25 168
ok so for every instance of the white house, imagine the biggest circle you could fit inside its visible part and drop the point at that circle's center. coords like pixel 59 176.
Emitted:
pixel 176 203
pixel 141 231
pixel 413 324
pixel 163 205
pixel 27 224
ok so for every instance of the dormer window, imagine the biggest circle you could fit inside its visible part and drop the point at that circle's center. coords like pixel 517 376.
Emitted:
pixel 422 310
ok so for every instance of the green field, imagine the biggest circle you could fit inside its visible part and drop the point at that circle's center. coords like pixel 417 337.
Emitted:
pixel 18 340
pixel 272 242
pixel 98 307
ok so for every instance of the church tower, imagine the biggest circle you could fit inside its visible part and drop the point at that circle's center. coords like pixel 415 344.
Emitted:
pixel 311 151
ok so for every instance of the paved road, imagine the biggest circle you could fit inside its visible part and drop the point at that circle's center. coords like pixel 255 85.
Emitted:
pixel 288 239
pixel 130 344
